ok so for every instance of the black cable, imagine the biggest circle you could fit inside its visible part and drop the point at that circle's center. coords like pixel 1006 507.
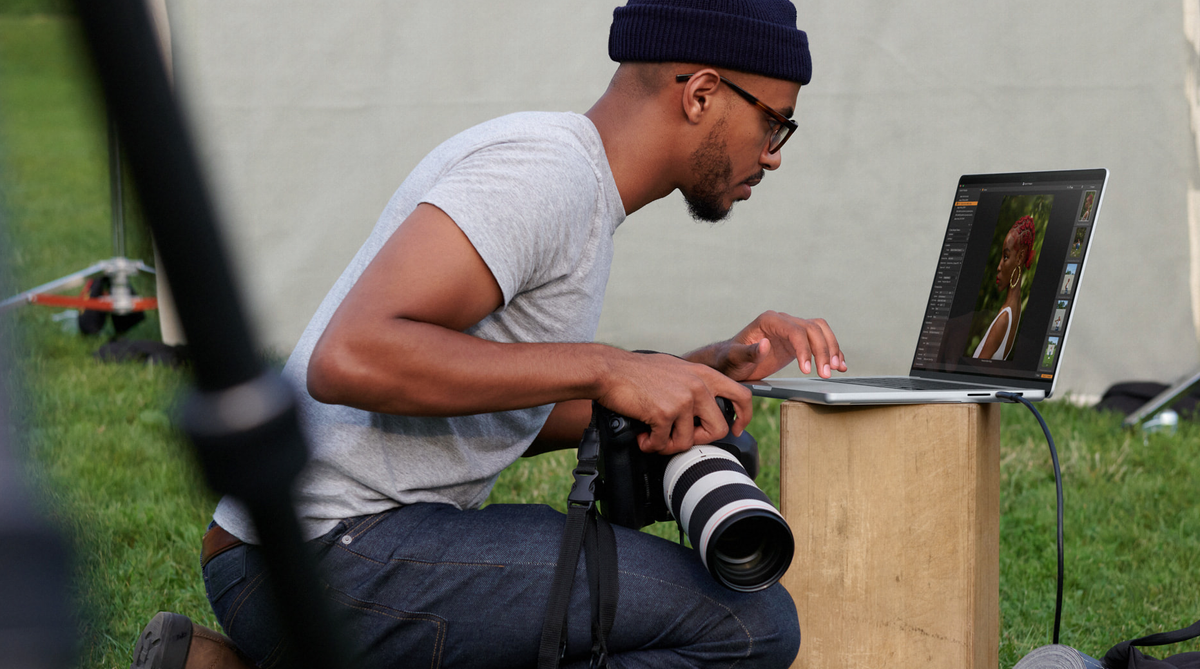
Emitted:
pixel 1016 397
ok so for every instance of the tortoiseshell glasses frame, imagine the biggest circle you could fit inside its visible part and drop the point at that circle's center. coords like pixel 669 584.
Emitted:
pixel 783 126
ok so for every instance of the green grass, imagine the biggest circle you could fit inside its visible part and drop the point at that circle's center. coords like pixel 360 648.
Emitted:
pixel 1132 530
pixel 31 7
pixel 119 482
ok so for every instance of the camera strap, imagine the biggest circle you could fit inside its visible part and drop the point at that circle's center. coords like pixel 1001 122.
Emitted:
pixel 587 530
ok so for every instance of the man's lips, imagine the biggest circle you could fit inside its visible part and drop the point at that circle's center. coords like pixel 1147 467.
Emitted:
pixel 745 186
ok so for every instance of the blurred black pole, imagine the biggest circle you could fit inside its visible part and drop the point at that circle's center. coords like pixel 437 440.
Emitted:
pixel 36 627
pixel 243 418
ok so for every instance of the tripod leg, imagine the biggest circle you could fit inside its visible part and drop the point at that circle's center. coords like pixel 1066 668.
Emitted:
pixel 1164 399
pixel 69 280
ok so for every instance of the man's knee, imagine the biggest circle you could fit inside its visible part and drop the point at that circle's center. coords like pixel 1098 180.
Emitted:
pixel 776 629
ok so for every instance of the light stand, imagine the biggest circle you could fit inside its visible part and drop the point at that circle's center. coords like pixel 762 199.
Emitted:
pixel 1164 399
pixel 118 269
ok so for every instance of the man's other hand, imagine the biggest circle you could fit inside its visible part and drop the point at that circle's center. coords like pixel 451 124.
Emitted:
pixel 772 341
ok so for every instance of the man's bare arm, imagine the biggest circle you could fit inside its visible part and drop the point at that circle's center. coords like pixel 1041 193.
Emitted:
pixel 395 345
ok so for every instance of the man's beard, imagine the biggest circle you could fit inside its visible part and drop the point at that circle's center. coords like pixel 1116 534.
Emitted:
pixel 711 164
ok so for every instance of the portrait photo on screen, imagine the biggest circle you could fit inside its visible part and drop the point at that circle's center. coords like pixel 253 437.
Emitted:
pixel 1008 276
pixel 1068 281
pixel 1077 243
pixel 1048 354
pixel 1087 206
pixel 1060 316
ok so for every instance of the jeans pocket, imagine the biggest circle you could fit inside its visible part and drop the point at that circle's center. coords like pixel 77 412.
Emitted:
pixel 224 572
pixel 387 636
pixel 236 584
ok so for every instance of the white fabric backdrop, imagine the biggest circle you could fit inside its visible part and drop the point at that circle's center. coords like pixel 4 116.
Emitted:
pixel 311 113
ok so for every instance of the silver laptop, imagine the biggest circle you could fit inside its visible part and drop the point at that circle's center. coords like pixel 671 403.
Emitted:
pixel 1005 288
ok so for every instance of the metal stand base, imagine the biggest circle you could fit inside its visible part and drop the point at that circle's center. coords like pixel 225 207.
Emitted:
pixel 1164 399
pixel 118 269
pixel 120 301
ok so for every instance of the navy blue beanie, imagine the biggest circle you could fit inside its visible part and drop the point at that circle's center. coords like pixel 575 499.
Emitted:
pixel 756 36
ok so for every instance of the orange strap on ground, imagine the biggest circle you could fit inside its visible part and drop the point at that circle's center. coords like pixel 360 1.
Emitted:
pixel 91 303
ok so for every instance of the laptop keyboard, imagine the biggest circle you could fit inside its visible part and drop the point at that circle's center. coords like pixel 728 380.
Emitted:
pixel 906 383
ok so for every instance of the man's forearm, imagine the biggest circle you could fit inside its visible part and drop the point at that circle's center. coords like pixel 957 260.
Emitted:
pixel 420 369
pixel 408 367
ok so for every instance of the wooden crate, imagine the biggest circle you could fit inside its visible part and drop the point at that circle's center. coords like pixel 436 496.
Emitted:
pixel 895 510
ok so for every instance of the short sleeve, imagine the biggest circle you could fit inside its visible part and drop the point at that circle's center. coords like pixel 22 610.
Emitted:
pixel 525 206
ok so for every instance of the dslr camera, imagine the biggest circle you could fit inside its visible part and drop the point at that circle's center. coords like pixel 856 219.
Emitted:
pixel 708 490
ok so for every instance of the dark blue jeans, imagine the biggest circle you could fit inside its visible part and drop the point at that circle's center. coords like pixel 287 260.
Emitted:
pixel 428 585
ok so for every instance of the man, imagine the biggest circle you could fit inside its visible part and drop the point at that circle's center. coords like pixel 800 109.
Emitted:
pixel 459 339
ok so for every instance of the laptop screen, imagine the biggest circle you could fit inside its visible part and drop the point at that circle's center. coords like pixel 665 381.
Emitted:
pixel 1008 276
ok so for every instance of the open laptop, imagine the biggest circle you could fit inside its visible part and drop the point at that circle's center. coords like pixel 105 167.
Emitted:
pixel 968 350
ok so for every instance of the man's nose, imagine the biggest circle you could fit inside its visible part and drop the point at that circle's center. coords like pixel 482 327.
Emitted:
pixel 770 161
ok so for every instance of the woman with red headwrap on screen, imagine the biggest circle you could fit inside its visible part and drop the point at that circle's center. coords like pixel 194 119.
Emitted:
pixel 1015 258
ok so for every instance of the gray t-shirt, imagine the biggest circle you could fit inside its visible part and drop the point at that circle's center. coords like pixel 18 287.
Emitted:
pixel 534 194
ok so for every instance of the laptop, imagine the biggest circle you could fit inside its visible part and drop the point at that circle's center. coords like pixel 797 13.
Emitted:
pixel 1003 295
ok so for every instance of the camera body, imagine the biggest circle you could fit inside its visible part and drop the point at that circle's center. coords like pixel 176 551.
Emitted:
pixel 632 488
pixel 741 538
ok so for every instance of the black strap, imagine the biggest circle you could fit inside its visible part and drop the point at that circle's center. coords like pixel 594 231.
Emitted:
pixel 1163 638
pixel 554 627
pixel 584 529
pixel 1123 654
pixel 600 546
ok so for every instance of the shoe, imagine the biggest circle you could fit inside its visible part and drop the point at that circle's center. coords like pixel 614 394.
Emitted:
pixel 173 641
pixel 1058 657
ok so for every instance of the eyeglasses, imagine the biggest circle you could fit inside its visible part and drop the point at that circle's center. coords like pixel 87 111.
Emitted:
pixel 782 126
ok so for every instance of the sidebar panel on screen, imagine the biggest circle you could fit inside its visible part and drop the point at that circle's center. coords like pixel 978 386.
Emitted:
pixel 946 279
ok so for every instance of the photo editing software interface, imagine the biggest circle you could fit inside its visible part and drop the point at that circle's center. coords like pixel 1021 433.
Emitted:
pixel 1004 290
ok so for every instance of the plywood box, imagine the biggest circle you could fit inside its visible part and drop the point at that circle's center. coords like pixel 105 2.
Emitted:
pixel 895 511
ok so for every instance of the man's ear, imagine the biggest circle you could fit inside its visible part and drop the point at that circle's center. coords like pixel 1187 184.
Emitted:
pixel 699 93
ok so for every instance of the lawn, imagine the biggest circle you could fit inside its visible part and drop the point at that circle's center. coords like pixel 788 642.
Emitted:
pixel 120 483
